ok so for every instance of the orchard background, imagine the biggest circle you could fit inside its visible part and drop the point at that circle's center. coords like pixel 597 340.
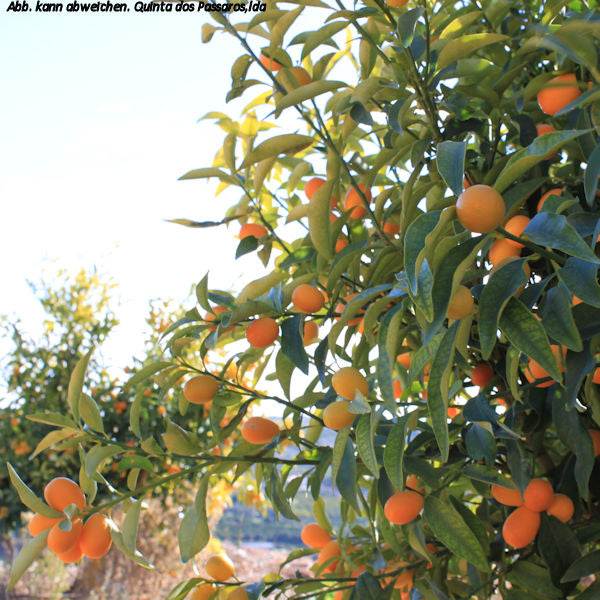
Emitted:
pixel 420 182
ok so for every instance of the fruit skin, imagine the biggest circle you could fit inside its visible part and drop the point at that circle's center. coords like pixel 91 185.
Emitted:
pixel 307 298
pixel 544 128
pixel 413 483
pixel 269 63
pixel 596 375
pixel 312 185
pixel 341 243
pixel 347 381
pixel 203 591
pixel 293 77
pixel 354 202
pixel 506 496
pixel 397 3
pixel 595 435
pixel 95 539
pixel 60 541
pixel 391 228
pixel 40 523
pixel 254 230
pixel 220 567
pixel 461 304
pixel 259 431
pixel 535 371
pixel 480 208
pixel 330 551
pixel 552 192
pixel 521 527
pixel 500 250
pixel 314 536
pixel 262 332
pixel 516 225
pixel 336 415
pixel 311 333
pixel 62 491
pixel 562 508
pixel 557 93
pixel 404 359
pixel 238 594
pixel 482 374
pixel 73 555
pixel 403 507
pixel 538 495
pixel 200 389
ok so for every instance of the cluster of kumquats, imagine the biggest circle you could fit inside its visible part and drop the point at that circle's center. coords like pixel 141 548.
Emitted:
pixel 338 558
pixel 70 539
pixel 222 570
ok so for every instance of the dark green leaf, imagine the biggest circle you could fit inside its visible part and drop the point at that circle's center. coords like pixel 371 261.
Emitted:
pixel 451 164
pixel 527 334
pixel 502 284
pixel 450 528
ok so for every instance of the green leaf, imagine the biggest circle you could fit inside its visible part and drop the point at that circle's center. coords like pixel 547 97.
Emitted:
pixel 51 418
pixel 135 555
pixel 347 474
pixel 292 344
pixel 466 45
pixel 525 159
pixel 339 447
pixel 368 588
pixel 278 497
pixel 291 143
pixel 76 384
pixel 179 440
pixel 365 442
pixel 574 436
pixel 450 528
pixel 393 454
pixel 27 555
pixel 555 231
pixel 558 546
pixel 558 320
pixel 315 38
pixel 437 401
pixel 131 524
pixel 502 285
pixel 449 272
pixel 451 164
pixel 592 173
pixel 147 371
pixel 527 334
pixel 414 243
pixel 580 276
pixel 534 579
pixel 407 22
pixel 97 456
pixel 193 532
pixel 318 220
pixel 306 92
pixel 459 24
pixel 582 567
pixel 207 173
pixel 480 443
pixel 28 498
pixel 52 438
pixel 90 413
pixel 135 414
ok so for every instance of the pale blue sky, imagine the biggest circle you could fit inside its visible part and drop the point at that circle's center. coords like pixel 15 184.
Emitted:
pixel 98 116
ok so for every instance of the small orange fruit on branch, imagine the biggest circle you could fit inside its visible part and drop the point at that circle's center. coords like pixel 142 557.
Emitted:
pixel 259 430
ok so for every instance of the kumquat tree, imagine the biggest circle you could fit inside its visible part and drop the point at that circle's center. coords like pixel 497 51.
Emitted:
pixel 420 181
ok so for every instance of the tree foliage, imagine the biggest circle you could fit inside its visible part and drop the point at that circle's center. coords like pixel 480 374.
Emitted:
pixel 430 126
